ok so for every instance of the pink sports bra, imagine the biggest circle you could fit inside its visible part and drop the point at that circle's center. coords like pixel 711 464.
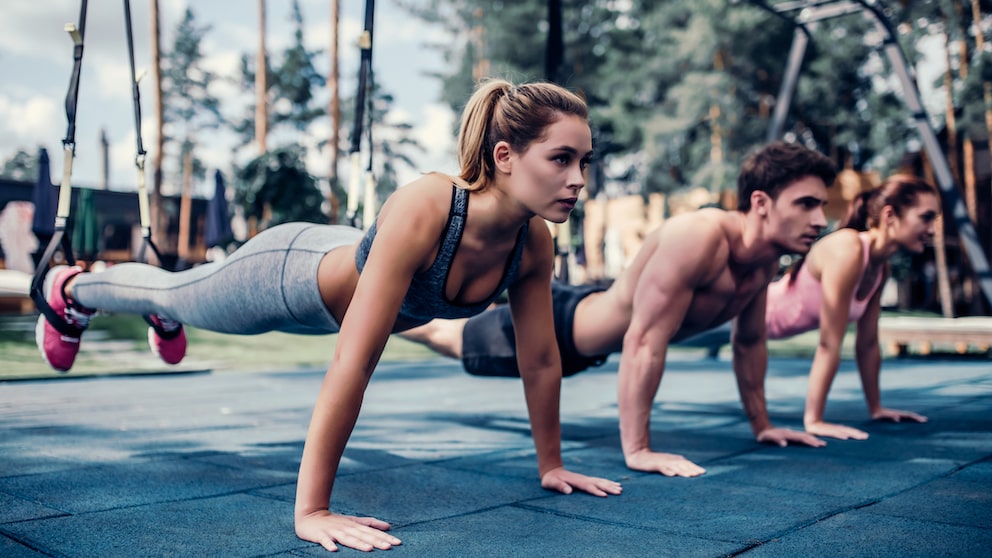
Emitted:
pixel 794 308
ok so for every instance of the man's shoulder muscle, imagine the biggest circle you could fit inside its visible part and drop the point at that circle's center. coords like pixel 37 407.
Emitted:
pixel 696 241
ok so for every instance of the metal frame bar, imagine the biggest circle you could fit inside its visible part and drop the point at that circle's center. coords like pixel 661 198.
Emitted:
pixel 818 10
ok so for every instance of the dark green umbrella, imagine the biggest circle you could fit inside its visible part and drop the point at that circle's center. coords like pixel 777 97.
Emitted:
pixel 85 230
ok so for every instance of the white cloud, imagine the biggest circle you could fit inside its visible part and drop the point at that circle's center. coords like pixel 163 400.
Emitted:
pixel 26 125
pixel 27 30
pixel 433 132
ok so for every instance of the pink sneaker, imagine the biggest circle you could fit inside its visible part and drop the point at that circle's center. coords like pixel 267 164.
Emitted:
pixel 166 338
pixel 59 341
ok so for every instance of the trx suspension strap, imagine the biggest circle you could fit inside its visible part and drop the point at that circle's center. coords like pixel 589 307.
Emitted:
pixel 59 238
pixel 362 97
pixel 139 158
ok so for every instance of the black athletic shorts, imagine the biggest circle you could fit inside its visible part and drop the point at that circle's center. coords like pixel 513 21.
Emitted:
pixel 489 347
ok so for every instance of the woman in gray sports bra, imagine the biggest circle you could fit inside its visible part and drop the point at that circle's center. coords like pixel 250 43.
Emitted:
pixel 441 246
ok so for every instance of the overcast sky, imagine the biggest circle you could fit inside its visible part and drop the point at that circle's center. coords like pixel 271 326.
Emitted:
pixel 36 62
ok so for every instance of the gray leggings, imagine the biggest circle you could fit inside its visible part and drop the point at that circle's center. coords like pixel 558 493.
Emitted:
pixel 269 284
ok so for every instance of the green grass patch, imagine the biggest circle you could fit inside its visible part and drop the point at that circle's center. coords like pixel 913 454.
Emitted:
pixel 118 345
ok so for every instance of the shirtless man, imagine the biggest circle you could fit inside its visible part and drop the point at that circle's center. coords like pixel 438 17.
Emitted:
pixel 695 272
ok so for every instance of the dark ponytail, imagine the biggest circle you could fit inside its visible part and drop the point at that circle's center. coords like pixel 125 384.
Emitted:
pixel 899 191
pixel 857 213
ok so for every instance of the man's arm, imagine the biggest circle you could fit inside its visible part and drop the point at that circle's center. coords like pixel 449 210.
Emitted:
pixel 749 340
pixel 661 298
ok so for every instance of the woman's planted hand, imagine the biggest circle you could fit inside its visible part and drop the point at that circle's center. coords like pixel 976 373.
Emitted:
pixel 896 415
pixel 839 431
pixel 668 464
pixel 565 481
pixel 330 530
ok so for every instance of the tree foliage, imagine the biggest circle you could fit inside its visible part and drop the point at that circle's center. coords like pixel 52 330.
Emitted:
pixel 276 187
pixel 21 166
pixel 292 80
pixel 681 91
pixel 190 106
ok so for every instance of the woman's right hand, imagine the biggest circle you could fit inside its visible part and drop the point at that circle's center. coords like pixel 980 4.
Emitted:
pixel 330 529
pixel 895 415
pixel 839 431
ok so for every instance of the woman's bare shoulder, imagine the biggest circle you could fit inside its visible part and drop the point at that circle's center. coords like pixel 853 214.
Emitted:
pixel 840 249
pixel 429 192
pixel 422 205
pixel 841 242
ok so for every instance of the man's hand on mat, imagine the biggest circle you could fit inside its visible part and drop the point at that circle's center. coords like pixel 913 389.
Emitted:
pixel 564 481
pixel 330 530
pixel 783 437
pixel 839 431
pixel 896 415
pixel 668 464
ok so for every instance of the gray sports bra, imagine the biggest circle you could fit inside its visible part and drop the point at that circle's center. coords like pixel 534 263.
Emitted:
pixel 425 300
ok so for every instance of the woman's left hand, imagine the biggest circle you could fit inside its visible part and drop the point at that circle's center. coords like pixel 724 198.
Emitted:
pixel 564 481
pixel 896 415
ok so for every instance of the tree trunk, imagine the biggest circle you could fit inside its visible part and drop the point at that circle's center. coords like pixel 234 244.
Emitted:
pixel 335 110
pixel 478 33
pixel 968 282
pixel 261 85
pixel 976 16
pixel 716 131
pixel 158 225
pixel 185 208
pixel 940 253
pixel 950 119
pixel 952 162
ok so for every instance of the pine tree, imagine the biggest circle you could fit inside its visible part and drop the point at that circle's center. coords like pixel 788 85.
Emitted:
pixel 21 166
pixel 189 105
pixel 189 108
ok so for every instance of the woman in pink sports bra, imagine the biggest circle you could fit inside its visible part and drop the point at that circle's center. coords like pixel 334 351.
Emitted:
pixel 839 282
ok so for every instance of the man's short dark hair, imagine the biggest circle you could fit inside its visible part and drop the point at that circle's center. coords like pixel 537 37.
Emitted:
pixel 777 165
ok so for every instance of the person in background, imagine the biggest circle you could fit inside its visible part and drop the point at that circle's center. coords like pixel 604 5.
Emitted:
pixel 840 281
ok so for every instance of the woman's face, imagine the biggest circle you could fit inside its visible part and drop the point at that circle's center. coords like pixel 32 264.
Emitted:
pixel 915 228
pixel 546 178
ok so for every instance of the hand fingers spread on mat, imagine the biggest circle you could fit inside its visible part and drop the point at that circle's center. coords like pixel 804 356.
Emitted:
pixel 668 464
pixel 784 436
pixel 838 431
pixel 330 530
pixel 566 481
pixel 896 415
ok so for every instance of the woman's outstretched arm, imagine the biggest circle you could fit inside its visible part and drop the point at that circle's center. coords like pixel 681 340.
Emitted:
pixel 869 357
pixel 838 282
pixel 402 245
pixel 540 365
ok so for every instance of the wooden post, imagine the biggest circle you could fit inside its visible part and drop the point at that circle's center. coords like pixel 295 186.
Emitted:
pixel 185 207
pixel 261 85
pixel 335 110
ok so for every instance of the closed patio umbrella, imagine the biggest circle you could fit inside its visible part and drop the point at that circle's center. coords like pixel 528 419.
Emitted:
pixel 45 198
pixel 85 229
pixel 218 227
